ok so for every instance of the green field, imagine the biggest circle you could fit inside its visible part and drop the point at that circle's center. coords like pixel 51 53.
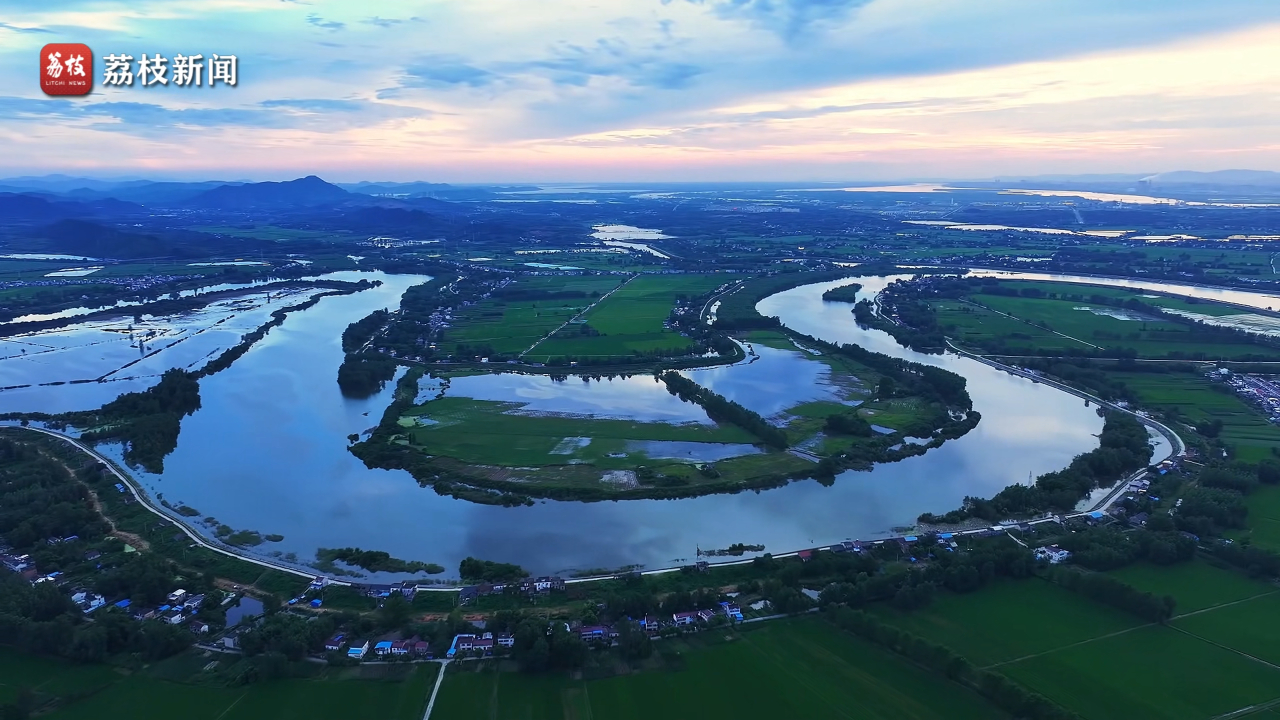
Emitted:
pixel 802 668
pixel 1251 626
pixel 487 432
pixel 1010 620
pixel 104 693
pixel 513 326
pixel 1194 585
pixel 1152 672
pixel 1198 400
pixel 630 320
pixel 1264 517
pixel 1062 325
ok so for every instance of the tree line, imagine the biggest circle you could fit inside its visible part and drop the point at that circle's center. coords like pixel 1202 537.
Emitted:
pixel 723 410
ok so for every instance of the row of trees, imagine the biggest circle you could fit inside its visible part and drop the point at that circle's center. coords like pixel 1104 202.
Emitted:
pixel 723 410
pixel 1001 691
pixel 1110 591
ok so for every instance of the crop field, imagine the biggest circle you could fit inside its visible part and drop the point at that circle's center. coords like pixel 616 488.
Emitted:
pixel 99 691
pixel 1198 401
pixel 1152 672
pixel 1097 326
pixel 1264 517
pixel 1083 293
pixel 1010 620
pixel 1194 585
pixel 799 668
pixel 630 320
pixel 512 326
pixel 1249 626
pixel 487 432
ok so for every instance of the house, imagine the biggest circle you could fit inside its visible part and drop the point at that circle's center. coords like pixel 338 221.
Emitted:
pixel 400 647
pixel 541 585
pixel 177 596
pixel 650 624
pixel 198 627
pixel 1053 554
pixel 1139 519
pixel 593 632
pixel 705 615
pixel 383 647
pixel 464 642
pixel 685 618
pixel 358 649
pixel 482 645
pixel 468 594
pixel 805 555
pixel 423 648
pixel 335 643
pixel 506 641
pixel 732 611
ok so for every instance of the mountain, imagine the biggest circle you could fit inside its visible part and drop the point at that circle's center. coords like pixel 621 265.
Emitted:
pixel 80 237
pixel 309 191
pixel 30 207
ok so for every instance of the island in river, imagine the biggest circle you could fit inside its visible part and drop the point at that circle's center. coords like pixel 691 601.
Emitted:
pixel 608 388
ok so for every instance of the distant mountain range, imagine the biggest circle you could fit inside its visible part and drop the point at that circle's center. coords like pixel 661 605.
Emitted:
pixel 1219 178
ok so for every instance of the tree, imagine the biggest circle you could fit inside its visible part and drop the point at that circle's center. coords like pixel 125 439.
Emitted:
pixel 395 611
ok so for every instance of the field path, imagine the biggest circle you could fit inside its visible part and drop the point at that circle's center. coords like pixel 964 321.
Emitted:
pixel 585 310
pixel 1028 322
pixel 444 665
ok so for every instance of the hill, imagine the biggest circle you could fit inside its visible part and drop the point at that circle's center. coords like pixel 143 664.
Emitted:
pixel 309 191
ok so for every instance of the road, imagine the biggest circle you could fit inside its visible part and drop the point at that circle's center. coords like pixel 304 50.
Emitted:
pixel 145 501
pixel 444 665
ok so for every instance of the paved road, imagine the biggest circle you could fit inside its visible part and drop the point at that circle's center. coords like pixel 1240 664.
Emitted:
pixel 143 500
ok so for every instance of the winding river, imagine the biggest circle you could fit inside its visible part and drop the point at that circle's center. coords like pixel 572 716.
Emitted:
pixel 267 452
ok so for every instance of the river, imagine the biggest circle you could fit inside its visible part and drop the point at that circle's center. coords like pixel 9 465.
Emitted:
pixel 267 451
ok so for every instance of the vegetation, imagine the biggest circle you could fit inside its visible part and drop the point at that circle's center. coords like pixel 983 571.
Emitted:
pixel 1123 448
pixel 361 331
pixel 374 561
pixel 473 570
pixel 724 411
pixel 844 293
pixel 362 376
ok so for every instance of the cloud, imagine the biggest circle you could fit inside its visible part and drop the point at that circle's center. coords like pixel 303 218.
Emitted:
pixel 15 28
pixel 789 18
pixel 444 71
pixel 142 118
pixel 615 58
pixel 381 22
pixel 323 24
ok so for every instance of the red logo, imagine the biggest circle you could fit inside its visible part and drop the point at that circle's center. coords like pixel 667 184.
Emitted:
pixel 66 69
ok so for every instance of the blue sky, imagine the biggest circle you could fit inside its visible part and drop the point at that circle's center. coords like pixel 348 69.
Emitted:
pixel 498 90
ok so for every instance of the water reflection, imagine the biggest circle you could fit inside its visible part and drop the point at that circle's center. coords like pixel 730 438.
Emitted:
pixel 639 397
pixel 267 451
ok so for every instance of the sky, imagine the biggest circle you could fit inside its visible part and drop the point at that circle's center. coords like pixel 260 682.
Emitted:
pixel 646 90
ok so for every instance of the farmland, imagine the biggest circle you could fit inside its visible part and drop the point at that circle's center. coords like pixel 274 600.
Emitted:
pixel 1196 400
pixel 799 668
pixel 1075 322
pixel 629 321
pixel 514 324
pixel 73 691
pixel 1102 663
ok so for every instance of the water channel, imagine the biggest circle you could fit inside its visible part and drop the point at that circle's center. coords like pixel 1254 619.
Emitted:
pixel 267 451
